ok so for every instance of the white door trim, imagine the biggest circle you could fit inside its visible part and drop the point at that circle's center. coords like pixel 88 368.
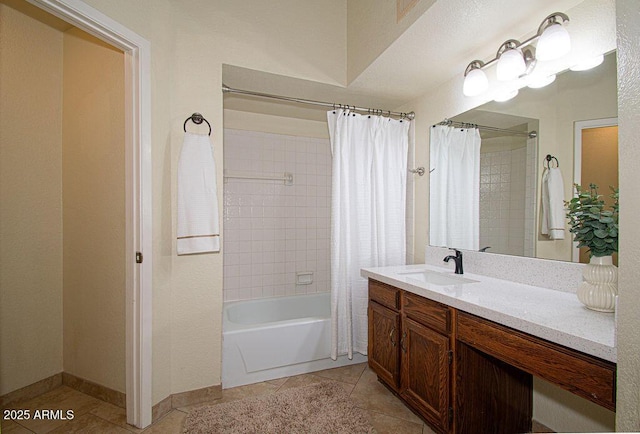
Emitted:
pixel 577 158
pixel 137 52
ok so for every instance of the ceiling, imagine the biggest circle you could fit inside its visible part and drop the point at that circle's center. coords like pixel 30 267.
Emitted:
pixel 433 50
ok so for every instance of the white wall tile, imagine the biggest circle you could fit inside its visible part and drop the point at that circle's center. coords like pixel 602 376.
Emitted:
pixel 273 230
pixel 502 200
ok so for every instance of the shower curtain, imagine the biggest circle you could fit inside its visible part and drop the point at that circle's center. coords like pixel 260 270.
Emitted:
pixel 369 175
pixel 454 210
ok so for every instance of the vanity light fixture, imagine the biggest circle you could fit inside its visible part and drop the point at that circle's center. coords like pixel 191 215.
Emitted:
pixel 554 39
pixel 517 59
pixel 588 63
pixel 510 62
pixel 475 80
pixel 541 81
pixel 506 95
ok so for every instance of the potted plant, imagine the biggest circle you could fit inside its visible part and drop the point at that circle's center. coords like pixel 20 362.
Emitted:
pixel 595 226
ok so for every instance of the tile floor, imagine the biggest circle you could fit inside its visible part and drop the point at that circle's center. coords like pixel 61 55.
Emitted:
pixel 388 414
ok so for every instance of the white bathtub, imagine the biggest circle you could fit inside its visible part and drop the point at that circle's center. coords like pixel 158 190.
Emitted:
pixel 277 337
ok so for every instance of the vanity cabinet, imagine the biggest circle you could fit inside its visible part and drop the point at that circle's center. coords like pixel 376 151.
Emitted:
pixel 384 335
pixel 410 350
pixel 463 373
pixel 589 377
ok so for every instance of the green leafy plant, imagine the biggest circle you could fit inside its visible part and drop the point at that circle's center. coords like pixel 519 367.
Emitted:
pixel 592 225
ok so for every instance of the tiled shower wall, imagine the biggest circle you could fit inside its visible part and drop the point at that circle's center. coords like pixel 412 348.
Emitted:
pixel 273 231
pixel 506 220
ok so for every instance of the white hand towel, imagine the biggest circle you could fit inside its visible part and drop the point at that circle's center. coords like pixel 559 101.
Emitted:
pixel 553 213
pixel 198 225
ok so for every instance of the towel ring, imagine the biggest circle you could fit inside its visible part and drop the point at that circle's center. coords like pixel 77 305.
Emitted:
pixel 548 159
pixel 197 119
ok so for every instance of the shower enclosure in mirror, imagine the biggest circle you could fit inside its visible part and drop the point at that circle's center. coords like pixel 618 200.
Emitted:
pixel 511 164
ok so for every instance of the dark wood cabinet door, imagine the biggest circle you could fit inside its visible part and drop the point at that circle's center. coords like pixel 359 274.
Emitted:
pixel 491 396
pixel 384 350
pixel 425 372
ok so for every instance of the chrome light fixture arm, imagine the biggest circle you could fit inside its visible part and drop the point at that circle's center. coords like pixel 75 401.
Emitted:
pixel 528 51
pixel 550 20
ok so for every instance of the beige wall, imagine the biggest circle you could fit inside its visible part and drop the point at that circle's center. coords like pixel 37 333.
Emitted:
pixel 189 44
pixel 30 200
pixel 238 120
pixel 93 209
pixel 373 26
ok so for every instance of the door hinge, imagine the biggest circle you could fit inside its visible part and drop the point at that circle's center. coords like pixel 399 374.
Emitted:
pixel 138 257
pixel 450 415
pixel 450 357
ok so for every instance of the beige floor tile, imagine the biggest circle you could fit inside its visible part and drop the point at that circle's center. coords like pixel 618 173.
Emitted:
pixel 88 423
pixel 385 424
pixel 54 395
pixel 426 429
pixel 370 394
pixel 388 413
pixel 347 374
pixel 62 398
pixel 11 427
pixel 115 415
pixel 537 427
pixel 173 422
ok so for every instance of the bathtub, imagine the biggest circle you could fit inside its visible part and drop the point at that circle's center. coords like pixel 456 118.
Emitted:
pixel 277 337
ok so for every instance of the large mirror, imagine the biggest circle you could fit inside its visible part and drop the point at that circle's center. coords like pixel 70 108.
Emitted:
pixel 578 105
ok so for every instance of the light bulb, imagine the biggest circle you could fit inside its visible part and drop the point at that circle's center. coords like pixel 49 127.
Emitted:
pixel 506 95
pixel 475 82
pixel 511 65
pixel 588 63
pixel 554 43
pixel 541 81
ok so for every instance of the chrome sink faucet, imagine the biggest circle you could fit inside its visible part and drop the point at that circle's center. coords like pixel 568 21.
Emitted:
pixel 457 259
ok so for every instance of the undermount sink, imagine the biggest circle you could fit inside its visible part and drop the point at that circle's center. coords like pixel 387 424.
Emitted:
pixel 436 278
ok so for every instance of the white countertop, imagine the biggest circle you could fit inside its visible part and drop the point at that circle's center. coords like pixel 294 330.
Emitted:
pixel 556 316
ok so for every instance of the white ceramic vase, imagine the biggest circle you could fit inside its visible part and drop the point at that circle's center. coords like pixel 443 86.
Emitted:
pixel 600 286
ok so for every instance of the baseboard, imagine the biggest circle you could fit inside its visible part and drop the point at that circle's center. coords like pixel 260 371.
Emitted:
pixel 160 409
pixel 32 390
pixel 119 399
pixel 198 396
pixel 184 399
pixel 537 427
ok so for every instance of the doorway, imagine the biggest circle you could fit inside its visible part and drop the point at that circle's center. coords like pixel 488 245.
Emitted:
pixel 596 162
pixel 134 225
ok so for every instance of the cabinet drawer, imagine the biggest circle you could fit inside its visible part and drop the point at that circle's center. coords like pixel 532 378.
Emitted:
pixel 584 375
pixel 427 312
pixel 384 294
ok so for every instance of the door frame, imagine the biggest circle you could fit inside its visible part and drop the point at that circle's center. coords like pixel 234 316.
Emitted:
pixel 138 276
pixel 577 158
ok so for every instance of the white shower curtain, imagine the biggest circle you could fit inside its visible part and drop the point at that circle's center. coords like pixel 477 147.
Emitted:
pixel 369 176
pixel 454 213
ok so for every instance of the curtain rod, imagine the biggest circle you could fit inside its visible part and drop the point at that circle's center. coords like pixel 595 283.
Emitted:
pixel 410 115
pixel 449 122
